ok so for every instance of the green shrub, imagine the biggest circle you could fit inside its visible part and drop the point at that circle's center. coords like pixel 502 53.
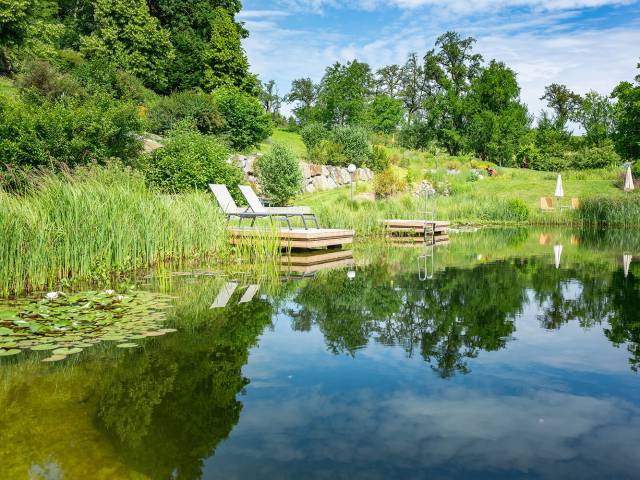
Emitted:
pixel 635 170
pixel 44 79
pixel 355 144
pixel 596 157
pixel 329 153
pixel 527 156
pixel 517 210
pixel 312 135
pixel 388 183
pixel 379 160
pixel 279 175
pixel 245 122
pixel 550 164
pixel 100 76
pixel 452 165
pixel 190 161
pixel 194 107
pixel 73 131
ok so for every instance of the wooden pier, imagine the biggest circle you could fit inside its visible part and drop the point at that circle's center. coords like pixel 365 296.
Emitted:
pixel 311 262
pixel 297 237
pixel 417 231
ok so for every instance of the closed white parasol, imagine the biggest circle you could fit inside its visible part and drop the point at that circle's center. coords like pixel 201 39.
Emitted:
pixel 626 263
pixel 559 189
pixel 557 253
pixel 628 181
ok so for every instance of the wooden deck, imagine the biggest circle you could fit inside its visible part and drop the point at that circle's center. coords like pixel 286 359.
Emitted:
pixel 417 230
pixel 311 262
pixel 297 237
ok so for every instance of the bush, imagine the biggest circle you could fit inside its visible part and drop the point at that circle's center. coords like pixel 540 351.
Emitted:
pixel 596 157
pixel 388 183
pixel 528 155
pixel 312 135
pixel 379 160
pixel 44 79
pixel 635 170
pixel 245 122
pixel 329 153
pixel 73 131
pixel 517 210
pixel 452 165
pixel 279 174
pixel 194 107
pixel 355 144
pixel 100 76
pixel 190 161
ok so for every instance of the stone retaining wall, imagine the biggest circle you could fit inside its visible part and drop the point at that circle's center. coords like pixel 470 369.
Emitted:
pixel 317 177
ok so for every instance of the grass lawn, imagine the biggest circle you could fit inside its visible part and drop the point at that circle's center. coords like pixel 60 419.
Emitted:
pixel 293 140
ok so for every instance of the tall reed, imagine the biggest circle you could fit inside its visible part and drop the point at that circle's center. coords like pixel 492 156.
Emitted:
pixel 96 222
pixel 620 211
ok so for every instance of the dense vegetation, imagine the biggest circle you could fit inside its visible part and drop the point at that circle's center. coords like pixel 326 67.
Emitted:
pixel 452 99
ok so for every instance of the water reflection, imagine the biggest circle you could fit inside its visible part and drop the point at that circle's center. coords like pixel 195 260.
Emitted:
pixel 341 375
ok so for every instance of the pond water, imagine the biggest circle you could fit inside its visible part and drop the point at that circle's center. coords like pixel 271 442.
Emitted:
pixel 505 354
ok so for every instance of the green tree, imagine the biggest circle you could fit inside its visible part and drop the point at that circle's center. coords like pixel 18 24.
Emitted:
pixel 344 91
pixel 244 121
pixel 304 94
pixel 270 97
pixel 563 102
pixel 206 38
pixel 384 114
pixel 226 64
pixel 627 116
pixel 127 36
pixel 388 80
pixel 279 174
pixel 596 115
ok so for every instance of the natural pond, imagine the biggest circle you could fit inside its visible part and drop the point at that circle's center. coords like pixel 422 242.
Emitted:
pixel 508 353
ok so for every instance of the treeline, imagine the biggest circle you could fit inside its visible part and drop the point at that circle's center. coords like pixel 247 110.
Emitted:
pixel 84 80
pixel 451 98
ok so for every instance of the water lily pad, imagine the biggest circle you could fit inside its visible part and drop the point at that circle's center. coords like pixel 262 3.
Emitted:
pixel 168 330
pixel 153 334
pixel 137 337
pixel 8 344
pixel 45 346
pixel 5 331
pixel 66 351
pixel 127 345
pixel 54 358
pixel 7 353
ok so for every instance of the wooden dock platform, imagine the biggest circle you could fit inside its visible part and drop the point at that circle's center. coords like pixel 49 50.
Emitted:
pixel 309 262
pixel 417 230
pixel 297 237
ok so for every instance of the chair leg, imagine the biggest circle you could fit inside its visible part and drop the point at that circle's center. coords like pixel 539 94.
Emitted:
pixel 304 222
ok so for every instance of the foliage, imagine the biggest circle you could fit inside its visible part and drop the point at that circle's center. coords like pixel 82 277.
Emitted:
pixel 312 134
pixel 328 152
pixel 621 211
pixel 627 116
pixel 384 114
pixel 129 37
pixel 379 160
pixel 96 222
pixel 596 157
pixel 73 131
pixel 191 161
pixel 527 155
pixel 269 96
pixel 195 107
pixel 416 135
pixel 245 122
pixel 354 141
pixel 303 94
pixel 635 170
pixel 279 174
pixel 563 102
pixel 596 115
pixel 342 94
pixel 388 183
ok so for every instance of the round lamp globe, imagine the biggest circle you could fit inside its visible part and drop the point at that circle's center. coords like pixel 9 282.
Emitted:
pixel 351 168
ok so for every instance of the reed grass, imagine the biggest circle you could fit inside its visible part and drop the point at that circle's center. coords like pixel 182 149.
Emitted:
pixel 96 222
pixel 620 211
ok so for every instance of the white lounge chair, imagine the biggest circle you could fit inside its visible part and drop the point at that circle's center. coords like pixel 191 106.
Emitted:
pixel 256 206
pixel 249 293
pixel 230 209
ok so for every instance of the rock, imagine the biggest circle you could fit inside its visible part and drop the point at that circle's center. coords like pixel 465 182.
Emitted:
pixel 324 170
pixel 150 143
pixel 320 183
pixel 306 171
pixel 345 176
pixel 366 197
pixel 309 188
pixel 315 170
pixel 331 183
pixel 362 175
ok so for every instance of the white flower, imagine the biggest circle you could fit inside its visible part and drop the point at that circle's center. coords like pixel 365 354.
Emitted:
pixel 53 295
pixel 119 298
pixel 109 292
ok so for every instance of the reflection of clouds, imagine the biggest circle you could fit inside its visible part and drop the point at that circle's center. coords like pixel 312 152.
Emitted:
pixel 456 429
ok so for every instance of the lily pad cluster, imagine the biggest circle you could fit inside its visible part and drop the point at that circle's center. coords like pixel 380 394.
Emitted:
pixel 65 324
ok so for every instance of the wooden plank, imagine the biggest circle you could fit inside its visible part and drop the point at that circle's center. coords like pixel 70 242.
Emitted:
pixel 414 223
pixel 318 243
pixel 439 239
pixel 314 258
pixel 293 234
pixel 317 267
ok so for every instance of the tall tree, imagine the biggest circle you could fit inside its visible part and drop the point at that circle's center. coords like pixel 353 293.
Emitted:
pixel 562 101
pixel 384 114
pixel 344 92
pixel 270 97
pixel 596 115
pixel 413 89
pixel 303 94
pixel 129 37
pixel 206 38
pixel 627 115
pixel 388 80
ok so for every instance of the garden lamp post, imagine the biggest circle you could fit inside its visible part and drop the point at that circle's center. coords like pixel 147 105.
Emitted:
pixel 352 173
pixel 351 274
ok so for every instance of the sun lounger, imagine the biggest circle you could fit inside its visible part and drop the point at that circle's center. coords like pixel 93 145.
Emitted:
pixel 249 293
pixel 546 204
pixel 256 206
pixel 224 295
pixel 230 209
pixel 575 203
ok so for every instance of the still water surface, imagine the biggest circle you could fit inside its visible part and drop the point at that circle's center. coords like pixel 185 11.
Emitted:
pixel 507 358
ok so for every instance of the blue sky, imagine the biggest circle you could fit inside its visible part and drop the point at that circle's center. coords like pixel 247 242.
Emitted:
pixel 586 44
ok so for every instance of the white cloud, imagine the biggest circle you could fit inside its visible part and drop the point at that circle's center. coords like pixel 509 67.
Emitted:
pixel 542 48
